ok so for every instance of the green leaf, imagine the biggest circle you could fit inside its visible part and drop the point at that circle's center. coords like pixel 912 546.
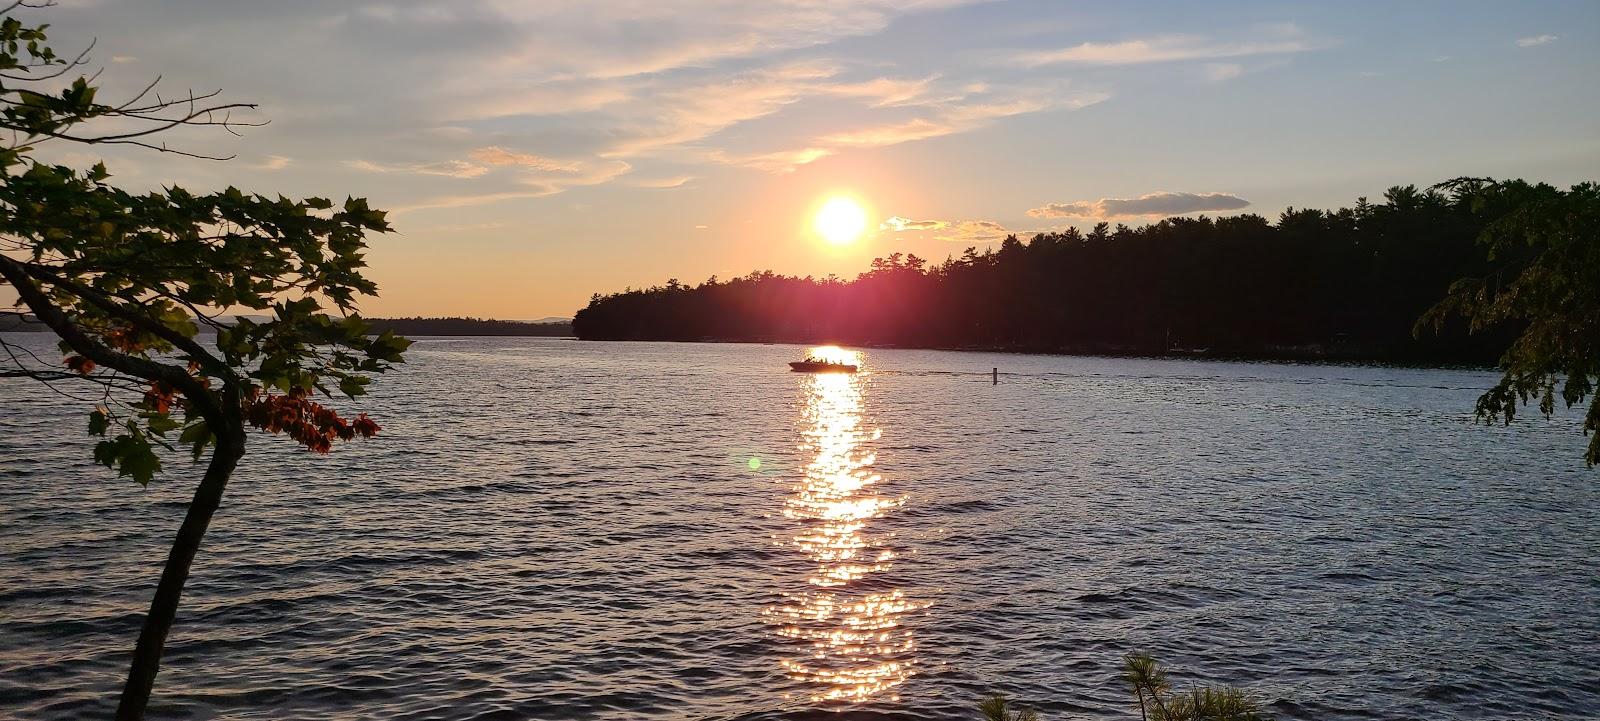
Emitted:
pixel 141 462
pixel 352 385
pixel 99 423
pixel 160 423
pixel 198 436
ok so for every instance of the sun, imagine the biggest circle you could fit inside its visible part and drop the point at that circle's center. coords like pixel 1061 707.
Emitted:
pixel 841 220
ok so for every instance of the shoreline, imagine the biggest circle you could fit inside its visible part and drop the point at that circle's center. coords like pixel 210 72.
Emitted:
pixel 1280 356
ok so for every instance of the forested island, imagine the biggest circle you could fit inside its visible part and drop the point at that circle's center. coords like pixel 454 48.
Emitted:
pixel 20 322
pixel 469 326
pixel 1342 284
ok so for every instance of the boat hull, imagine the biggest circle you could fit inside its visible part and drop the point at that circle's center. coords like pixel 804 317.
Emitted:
pixel 810 367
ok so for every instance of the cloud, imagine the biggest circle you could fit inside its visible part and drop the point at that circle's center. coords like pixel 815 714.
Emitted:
pixel 1218 72
pixel 964 231
pixel 973 231
pixel 531 184
pixel 958 118
pixel 663 183
pixel 891 134
pixel 1162 203
pixel 643 79
pixel 629 39
pixel 496 155
pixel 935 117
pixel 782 161
pixel 1537 40
pixel 273 162
pixel 1281 39
pixel 446 168
pixel 516 98
pixel 897 224
pixel 694 112
pixel 883 92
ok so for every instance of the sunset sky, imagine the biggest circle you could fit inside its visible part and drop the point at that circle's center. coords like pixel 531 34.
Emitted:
pixel 532 153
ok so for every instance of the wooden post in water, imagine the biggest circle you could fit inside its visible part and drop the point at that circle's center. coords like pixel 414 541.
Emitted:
pixel 996 377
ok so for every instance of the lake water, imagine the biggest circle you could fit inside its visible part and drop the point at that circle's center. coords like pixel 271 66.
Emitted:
pixel 550 529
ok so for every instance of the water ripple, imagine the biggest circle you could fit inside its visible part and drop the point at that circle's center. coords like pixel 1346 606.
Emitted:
pixel 559 530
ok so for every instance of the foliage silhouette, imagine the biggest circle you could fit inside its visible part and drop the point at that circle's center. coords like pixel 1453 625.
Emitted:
pixel 1544 278
pixel 1149 685
pixel 997 708
pixel 126 281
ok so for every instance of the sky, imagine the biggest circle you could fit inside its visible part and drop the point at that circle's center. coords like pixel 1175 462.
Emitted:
pixel 533 153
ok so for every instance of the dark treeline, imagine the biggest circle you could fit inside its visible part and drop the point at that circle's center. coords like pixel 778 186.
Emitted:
pixel 1344 284
pixel 468 326
pixel 19 322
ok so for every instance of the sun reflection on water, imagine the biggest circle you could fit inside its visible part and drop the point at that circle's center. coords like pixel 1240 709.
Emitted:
pixel 850 626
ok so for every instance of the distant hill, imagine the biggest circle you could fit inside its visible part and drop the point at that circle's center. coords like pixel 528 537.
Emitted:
pixel 557 327
pixel 471 326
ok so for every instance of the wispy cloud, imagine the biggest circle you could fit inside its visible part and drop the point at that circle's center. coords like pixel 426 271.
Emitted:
pixel 1218 72
pixel 782 161
pixel 621 40
pixel 529 182
pixel 1277 39
pixel 1162 203
pixel 1537 40
pixel 663 183
pixel 884 92
pixel 495 155
pixel 446 168
pixel 958 118
pixel 686 114
pixel 891 134
pixel 272 162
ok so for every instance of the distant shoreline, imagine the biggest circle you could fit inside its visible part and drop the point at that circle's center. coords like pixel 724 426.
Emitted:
pixel 443 326
pixel 1287 356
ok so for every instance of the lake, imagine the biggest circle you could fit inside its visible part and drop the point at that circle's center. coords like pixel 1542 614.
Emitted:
pixel 551 529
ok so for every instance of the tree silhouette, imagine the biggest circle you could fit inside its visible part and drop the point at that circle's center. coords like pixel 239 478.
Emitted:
pixel 127 282
pixel 1347 283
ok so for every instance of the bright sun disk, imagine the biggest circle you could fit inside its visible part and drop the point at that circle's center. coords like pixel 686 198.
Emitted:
pixel 841 220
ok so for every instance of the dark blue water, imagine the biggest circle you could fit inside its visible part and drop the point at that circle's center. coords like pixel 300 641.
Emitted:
pixel 549 529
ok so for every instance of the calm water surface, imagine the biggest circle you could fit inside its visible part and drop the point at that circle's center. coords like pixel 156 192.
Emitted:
pixel 550 529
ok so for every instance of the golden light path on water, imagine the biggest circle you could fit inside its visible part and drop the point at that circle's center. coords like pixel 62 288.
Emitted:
pixel 850 623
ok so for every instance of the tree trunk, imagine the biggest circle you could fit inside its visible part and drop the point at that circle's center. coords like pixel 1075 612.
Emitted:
pixel 164 607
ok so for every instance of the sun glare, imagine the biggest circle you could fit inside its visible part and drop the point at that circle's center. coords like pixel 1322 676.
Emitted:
pixel 841 220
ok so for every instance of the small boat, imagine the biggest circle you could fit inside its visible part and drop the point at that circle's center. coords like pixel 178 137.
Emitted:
pixel 812 365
